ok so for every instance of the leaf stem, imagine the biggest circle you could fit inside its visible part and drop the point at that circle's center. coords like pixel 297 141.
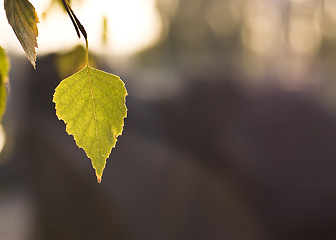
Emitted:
pixel 78 26
pixel 87 51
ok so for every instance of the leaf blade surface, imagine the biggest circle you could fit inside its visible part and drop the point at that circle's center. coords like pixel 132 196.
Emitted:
pixel 92 104
pixel 21 15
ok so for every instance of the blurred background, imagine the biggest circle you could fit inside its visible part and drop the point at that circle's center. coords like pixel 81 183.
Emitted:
pixel 231 126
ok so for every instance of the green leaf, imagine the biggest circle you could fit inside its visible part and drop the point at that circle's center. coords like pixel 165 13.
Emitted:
pixel 4 69
pixel 23 18
pixel 92 105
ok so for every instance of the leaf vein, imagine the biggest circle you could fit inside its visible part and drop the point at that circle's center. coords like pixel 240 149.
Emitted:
pixel 94 111
pixel 74 97
pixel 80 138
pixel 107 112
pixel 109 83
pixel 119 108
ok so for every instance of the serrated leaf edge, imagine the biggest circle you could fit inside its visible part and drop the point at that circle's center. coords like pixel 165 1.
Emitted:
pixel 99 176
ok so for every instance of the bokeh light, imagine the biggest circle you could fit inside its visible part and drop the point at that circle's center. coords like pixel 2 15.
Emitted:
pixel 2 138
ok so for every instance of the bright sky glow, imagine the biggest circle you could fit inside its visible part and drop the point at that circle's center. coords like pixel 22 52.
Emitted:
pixel 132 26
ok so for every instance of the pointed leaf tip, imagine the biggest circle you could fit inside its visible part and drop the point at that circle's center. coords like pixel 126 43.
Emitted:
pixel 99 179
pixel 21 15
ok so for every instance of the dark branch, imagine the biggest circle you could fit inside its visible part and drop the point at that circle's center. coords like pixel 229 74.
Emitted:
pixel 78 26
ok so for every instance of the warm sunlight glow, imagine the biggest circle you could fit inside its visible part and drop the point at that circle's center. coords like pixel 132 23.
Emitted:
pixel 303 37
pixel 260 32
pixel 2 138
pixel 132 25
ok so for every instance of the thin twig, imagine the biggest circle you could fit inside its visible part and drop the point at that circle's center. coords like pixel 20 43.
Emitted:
pixel 78 26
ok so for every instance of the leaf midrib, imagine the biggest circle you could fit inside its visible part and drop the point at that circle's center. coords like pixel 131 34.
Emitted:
pixel 94 110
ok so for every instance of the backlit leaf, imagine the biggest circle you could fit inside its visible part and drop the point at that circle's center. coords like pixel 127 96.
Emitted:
pixel 92 104
pixel 23 18
pixel 4 69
